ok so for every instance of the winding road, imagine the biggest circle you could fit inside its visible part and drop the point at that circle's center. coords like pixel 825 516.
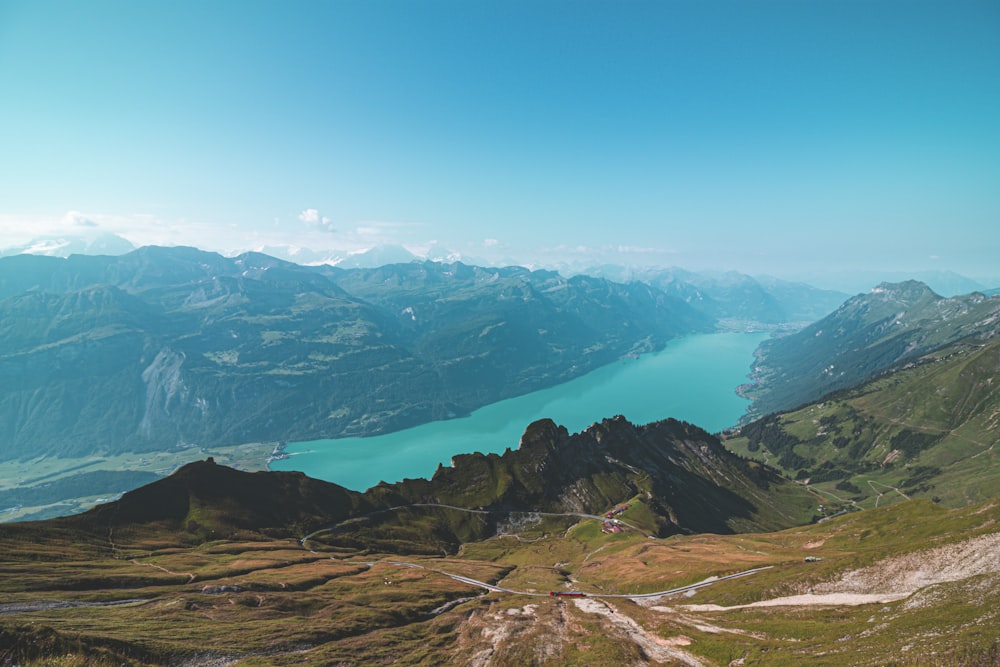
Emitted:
pixel 500 589
pixel 334 527
pixel 631 596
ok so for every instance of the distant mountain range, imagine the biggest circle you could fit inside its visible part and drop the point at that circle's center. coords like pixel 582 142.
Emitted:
pixel 830 283
pixel 738 299
pixel 370 258
pixel 64 246
pixel 735 300
pixel 945 283
pixel 162 347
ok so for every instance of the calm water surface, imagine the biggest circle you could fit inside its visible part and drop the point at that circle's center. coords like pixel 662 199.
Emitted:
pixel 692 379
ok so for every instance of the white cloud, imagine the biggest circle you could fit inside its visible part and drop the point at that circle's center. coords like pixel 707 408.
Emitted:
pixel 17 229
pixel 77 219
pixel 139 228
pixel 490 243
pixel 312 217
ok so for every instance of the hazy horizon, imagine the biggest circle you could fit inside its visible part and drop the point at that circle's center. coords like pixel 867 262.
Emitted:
pixel 781 138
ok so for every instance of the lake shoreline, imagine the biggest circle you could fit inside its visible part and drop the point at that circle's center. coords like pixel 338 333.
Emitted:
pixel 693 378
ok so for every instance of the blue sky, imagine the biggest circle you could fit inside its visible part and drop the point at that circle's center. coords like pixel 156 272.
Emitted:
pixel 774 136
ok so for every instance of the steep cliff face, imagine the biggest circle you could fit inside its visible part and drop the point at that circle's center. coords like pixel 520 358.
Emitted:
pixel 165 389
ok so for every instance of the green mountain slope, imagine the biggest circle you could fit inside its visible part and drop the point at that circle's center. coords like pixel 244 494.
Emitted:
pixel 928 429
pixel 868 334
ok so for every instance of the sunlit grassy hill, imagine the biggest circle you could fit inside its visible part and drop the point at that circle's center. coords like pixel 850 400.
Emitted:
pixel 909 584
pixel 927 430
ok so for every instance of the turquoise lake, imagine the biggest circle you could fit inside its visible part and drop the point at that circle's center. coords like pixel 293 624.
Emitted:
pixel 693 379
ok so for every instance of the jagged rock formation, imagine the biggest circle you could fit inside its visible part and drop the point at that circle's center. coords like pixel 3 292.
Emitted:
pixel 682 475
pixel 689 479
